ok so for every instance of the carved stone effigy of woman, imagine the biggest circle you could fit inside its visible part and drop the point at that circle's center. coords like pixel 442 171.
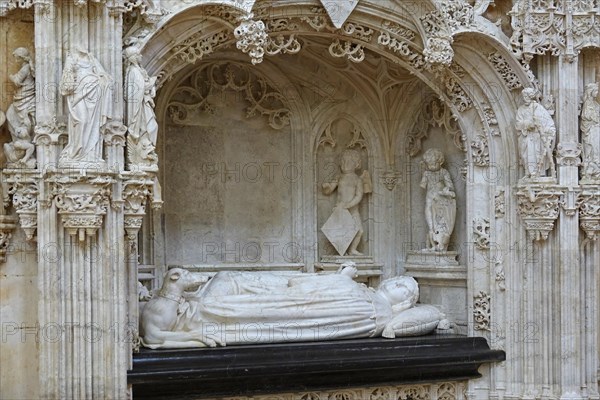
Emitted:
pixel 86 85
pixel 262 307
pixel 590 132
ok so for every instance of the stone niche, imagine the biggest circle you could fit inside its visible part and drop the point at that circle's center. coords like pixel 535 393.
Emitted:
pixel 227 178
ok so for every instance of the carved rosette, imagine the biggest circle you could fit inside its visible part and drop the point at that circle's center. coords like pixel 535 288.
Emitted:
pixel 538 207
pixel 588 202
pixel 82 203
pixel 8 223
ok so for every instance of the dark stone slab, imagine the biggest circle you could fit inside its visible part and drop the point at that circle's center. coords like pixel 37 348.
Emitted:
pixel 293 367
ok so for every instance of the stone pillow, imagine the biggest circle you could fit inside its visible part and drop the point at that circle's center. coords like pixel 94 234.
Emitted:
pixel 419 320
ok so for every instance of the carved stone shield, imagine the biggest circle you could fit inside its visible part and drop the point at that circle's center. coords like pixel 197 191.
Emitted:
pixel 340 229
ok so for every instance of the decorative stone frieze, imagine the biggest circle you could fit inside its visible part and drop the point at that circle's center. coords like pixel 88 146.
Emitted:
pixel 352 51
pixel 538 207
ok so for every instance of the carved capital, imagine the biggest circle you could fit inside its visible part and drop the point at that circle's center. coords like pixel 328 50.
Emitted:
pixel 114 133
pixel 567 154
pixel 24 191
pixel 538 207
pixel 53 132
pixel 588 203
pixel 82 203
pixel 390 179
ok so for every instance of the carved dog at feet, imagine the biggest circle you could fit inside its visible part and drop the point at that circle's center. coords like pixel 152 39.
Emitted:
pixel 159 316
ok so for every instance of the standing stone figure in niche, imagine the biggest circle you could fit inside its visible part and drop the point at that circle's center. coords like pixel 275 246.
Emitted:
pixel 20 115
pixel 440 201
pixel 86 85
pixel 344 227
pixel 590 132
pixel 263 307
pixel 140 90
pixel 537 135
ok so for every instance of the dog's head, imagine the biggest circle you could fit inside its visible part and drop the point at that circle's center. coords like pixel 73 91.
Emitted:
pixel 183 280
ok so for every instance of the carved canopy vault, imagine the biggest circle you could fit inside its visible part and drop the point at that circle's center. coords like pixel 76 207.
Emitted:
pixel 396 78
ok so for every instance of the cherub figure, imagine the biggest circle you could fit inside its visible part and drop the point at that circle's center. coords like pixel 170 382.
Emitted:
pixel 351 189
pixel 440 203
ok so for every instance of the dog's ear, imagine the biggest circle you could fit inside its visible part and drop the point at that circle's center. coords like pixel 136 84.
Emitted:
pixel 175 276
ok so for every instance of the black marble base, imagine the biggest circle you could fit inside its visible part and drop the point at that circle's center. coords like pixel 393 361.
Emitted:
pixel 293 367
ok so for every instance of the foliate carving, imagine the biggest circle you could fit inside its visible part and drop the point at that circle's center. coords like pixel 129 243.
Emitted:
pixel 398 30
pixel 480 151
pixel 8 5
pixel 439 52
pixel 588 202
pixel 380 394
pixel 8 224
pixel 481 233
pixel 450 17
pixel 251 38
pixel 505 71
pixel 500 203
pixel 456 93
pixel 352 51
pixel 24 191
pixel 199 45
pixel 263 98
pixel 538 207
pixel 482 311
pixel 500 277
pixel 489 118
pixel 446 391
pixel 549 27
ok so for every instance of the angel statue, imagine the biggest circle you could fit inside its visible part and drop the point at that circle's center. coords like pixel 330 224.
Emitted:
pixel 344 227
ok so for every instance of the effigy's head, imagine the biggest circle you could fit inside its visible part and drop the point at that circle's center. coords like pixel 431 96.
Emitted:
pixel 401 291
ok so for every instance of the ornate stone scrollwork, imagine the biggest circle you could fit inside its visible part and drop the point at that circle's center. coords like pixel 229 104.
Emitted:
pixel 481 233
pixel 251 38
pixel 193 95
pixel 136 192
pixel 568 154
pixel 352 51
pixel 538 207
pixel 198 46
pixel 82 202
pixel 480 151
pixel 588 202
pixel 482 311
